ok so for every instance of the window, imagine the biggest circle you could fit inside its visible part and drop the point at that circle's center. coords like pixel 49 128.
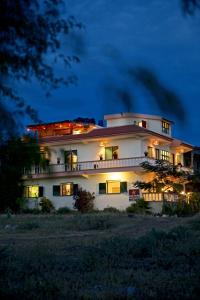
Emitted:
pixel 33 191
pixel 65 189
pixel 165 127
pixel 141 123
pixel 112 187
pixel 111 152
pixel 157 154
pixel 150 152
pixel 164 155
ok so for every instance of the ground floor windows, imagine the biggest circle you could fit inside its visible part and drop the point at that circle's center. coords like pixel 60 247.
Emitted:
pixel 164 155
pixel 65 189
pixel 33 191
pixel 112 187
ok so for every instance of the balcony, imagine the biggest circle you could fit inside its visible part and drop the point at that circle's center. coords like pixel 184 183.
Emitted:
pixel 86 167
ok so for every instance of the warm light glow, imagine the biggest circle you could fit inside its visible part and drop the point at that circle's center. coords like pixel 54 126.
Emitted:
pixel 76 131
pixel 156 143
pixel 101 144
pixel 115 176
pixel 182 193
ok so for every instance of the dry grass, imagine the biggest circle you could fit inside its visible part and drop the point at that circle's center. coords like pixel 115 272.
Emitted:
pixel 99 256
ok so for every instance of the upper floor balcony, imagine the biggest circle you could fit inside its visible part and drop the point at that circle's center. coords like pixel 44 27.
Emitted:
pixel 86 168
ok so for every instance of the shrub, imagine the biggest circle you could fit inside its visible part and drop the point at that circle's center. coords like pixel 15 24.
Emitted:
pixel 93 222
pixel 184 206
pixel 34 211
pixel 29 226
pixel 84 201
pixel 111 209
pixel 169 208
pixel 141 206
pixel 46 205
pixel 64 210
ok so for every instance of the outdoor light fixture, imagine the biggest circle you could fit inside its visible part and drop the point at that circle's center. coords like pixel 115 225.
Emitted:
pixel 156 143
pixel 115 176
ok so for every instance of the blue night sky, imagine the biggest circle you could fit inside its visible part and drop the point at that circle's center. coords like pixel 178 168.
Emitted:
pixel 121 34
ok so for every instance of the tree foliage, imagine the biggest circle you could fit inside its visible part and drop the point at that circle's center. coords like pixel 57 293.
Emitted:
pixel 84 201
pixel 190 6
pixel 31 36
pixel 166 177
pixel 15 155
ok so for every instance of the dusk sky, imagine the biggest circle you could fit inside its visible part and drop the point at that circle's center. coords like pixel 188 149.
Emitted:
pixel 121 34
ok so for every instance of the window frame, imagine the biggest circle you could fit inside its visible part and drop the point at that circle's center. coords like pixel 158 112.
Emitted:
pixel 165 155
pixel 71 189
pixel 103 187
pixel 165 127
pixel 113 148
pixel 27 191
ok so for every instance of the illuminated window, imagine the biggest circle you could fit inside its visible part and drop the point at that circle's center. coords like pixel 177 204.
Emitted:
pixel 150 152
pixel 141 123
pixel 67 189
pixel 111 152
pixel 112 187
pixel 32 191
pixel 164 155
pixel 165 127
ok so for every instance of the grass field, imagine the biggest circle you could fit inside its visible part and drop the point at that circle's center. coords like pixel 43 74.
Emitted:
pixel 99 256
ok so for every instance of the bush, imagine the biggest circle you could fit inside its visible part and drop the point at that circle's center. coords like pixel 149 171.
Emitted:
pixel 184 206
pixel 141 206
pixel 29 226
pixel 34 211
pixel 169 208
pixel 84 201
pixel 46 205
pixel 111 209
pixel 93 222
pixel 64 210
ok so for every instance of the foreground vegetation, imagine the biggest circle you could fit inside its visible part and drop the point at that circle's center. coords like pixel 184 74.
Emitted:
pixel 99 256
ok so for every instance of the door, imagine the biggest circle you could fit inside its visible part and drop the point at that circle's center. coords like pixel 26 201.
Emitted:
pixel 71 159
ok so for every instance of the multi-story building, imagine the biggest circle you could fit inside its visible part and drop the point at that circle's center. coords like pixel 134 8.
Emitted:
pixel 103 160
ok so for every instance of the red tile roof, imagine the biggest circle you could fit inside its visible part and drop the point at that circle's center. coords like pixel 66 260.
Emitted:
pixel 103 133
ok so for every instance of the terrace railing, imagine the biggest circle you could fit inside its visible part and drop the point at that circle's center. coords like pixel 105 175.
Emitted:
pixel 88 165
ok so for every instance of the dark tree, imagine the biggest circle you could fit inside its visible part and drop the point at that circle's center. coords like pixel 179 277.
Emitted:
pixel 166 177
pixel 31 36
pixel 15 155
pixel 190 6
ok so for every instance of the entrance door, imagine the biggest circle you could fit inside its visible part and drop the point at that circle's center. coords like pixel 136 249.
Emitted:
pixel 71 159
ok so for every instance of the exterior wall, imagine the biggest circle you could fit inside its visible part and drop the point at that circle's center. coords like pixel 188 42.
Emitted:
pixel 151 124
pixel 91 184
pixel 128 147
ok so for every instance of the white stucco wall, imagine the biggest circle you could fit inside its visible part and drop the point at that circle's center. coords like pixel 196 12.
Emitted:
pixel 120 201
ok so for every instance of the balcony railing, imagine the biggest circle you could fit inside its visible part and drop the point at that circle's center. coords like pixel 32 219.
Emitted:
pixel 88 165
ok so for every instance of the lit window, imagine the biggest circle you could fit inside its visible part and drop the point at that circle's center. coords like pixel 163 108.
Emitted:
pixel 111 152
pixel 31 191
pixel 113 187
pixel 150 152
pixel 67 189
pixel 164 155
pixel 165 127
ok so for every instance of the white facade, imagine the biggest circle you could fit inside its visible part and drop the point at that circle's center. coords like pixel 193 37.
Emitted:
pixel 129 138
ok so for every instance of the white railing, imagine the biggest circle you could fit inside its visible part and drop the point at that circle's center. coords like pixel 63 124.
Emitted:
pixel 89 165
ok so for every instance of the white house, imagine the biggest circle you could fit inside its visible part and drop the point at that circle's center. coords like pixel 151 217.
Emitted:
pixel 103 160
